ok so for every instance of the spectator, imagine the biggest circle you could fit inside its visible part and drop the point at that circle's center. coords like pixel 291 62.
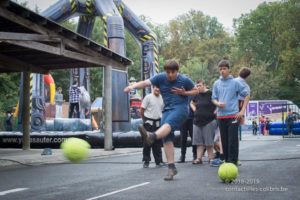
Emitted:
pixel 8 121
pixel 59 99
pixel 289 121
pixel 262 124
pixel 254 127
pixel 74 94
pixel 151 111
pixel 225 96
pixel 268 121
pixel 205 123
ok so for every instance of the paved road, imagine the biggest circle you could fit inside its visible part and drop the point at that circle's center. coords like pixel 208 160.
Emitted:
pixel 123 177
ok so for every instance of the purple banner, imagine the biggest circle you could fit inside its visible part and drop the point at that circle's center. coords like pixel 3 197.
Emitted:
pixel 270 107
pixel 252 109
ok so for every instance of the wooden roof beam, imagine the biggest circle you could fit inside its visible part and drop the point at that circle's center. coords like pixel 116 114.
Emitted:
pixel 14 64
pixel 68 42
pixel 27 37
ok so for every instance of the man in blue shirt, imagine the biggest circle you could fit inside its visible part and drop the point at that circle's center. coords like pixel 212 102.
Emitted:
pixel 226 93
pixel 174 89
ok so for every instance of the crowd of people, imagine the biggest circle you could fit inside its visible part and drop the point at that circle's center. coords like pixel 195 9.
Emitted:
pixel 263 127
pixel 210 117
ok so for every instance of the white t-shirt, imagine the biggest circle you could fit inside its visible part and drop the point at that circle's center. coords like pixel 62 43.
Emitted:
pixel 153 106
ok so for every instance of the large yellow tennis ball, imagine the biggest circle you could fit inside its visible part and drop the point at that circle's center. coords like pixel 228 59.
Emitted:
pixel 75 149
pixel 228 172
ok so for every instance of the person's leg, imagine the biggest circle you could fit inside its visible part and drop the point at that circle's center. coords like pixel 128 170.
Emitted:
pixel 210 152
pixel 217 149
pixel 169 151
pixel 171 120
pixel 146 155
pixel 260 129
pixel 60 111
pixel 156 151
pixel 289 128
pixel 71 111
pixel 190 131
pixel 224 137
pixel 77 110
pixel 56 111
pixel 233 141
pixel 183 140
pixel 200 150
pixel 209 132
pixel 147 148
pixel 221 149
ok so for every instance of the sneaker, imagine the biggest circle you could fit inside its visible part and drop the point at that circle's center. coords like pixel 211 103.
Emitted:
pixel 146 165
pixel 162 164
pixel 216 162
pixel 171 174
pixel 145 135
pixel 181 159
pixel 239 163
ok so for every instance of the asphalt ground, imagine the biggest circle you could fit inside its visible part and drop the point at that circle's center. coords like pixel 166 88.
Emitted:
pixel 269 171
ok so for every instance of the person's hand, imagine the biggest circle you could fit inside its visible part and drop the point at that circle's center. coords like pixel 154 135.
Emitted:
pixel 221 105
pixel 128 89
pixel 240 115
pixel 179 91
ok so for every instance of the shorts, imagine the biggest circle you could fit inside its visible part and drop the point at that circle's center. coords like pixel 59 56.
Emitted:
pixel 175 118
pixel 205 135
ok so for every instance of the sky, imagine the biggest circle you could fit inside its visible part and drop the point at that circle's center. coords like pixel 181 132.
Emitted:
pixel 161 11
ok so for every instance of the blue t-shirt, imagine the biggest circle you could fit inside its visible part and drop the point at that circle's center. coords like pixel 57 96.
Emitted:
pixel 172 100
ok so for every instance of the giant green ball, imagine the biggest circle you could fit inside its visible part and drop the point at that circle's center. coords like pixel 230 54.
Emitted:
pixel 75 149
pixel 228 172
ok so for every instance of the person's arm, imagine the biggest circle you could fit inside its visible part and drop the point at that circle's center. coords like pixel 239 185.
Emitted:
pixel 138 85
pixel 215 97
pixel 182 91
pixel 243 110
pixel 193 106
pixel 142 113
pixel 144 106
pixel 218 104
pixel 244 91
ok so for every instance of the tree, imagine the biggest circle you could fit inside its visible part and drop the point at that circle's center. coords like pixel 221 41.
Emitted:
pixel 9 87
pixel 270 34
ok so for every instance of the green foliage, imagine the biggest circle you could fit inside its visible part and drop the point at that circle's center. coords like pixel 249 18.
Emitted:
pixel 133 52
pixel 270 34
pixel 9 87
pixel 198 70
pixel 267 40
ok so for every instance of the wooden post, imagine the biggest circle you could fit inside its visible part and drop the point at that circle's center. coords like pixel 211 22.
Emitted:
pixel 26 111
pixel 108 146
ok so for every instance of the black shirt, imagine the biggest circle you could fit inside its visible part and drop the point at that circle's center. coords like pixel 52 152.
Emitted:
pixel 205 109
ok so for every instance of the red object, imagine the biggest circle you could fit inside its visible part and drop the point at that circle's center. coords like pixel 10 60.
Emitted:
pixel 226 117
pixel 135 104
pixel 48 79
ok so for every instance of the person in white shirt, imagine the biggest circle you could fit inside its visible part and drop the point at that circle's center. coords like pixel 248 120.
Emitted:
pixel 151 112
